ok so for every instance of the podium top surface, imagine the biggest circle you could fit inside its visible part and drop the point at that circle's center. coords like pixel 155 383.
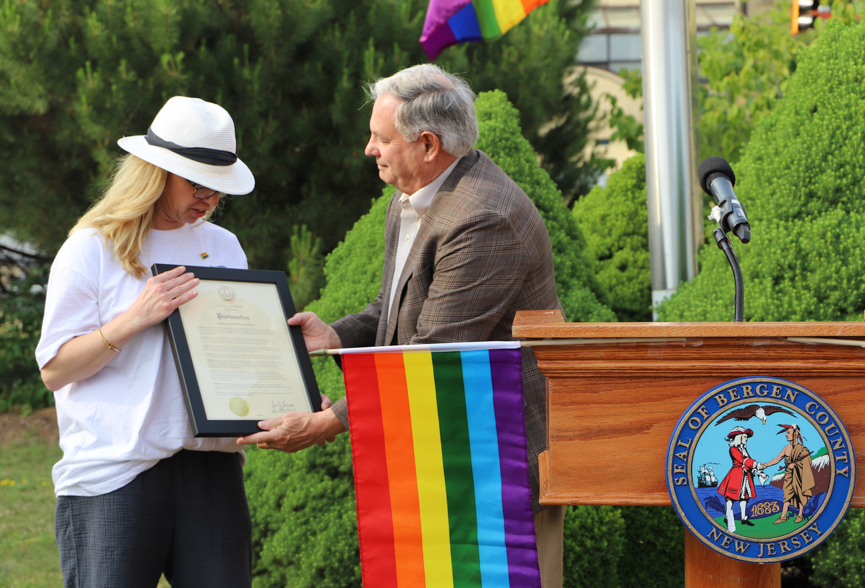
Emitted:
pixel 549 324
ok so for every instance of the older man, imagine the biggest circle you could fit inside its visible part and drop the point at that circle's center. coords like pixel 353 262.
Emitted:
pixel 464 250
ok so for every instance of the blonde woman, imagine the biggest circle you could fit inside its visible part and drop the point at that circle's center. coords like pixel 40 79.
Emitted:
pixel 138 495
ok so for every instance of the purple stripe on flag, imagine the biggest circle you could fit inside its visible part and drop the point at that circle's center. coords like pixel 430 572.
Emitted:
pixel 438 12
pixel 436 42
pixel 506 368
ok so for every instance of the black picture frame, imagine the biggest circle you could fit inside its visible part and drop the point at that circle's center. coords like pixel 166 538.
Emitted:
pixel 202 426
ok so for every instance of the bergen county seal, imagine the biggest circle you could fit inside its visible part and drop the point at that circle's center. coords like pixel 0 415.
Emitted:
pixel 760 469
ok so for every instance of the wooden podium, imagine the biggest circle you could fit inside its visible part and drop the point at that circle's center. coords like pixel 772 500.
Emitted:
pixel 617 393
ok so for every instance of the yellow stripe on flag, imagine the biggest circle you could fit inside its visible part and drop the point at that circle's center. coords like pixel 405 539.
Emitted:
pixel 432 494
pixel 508 13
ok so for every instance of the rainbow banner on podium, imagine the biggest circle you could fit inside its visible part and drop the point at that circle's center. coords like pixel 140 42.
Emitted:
pixel 449 22
pixel 439 453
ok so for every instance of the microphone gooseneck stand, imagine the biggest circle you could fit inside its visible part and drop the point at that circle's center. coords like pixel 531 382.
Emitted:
pixel 717 180
pixel 727 247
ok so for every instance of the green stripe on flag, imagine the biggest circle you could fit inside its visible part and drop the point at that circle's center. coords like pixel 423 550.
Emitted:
pixel 487 21
pixel 456 456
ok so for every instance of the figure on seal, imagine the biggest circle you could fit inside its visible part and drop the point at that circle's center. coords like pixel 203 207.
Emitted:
pixel 798 476
pixel 738 484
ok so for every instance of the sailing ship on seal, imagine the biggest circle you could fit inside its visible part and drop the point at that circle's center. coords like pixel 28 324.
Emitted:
pixel 706 476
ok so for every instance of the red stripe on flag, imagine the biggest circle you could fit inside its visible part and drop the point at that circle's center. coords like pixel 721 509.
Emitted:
pixel 401 473
pixel 372 489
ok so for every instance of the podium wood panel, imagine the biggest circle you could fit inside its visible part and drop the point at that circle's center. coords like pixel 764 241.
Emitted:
pixel 704 567
pixel 612 406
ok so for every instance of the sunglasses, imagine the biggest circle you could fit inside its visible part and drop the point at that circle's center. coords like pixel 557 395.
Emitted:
pixel 205 192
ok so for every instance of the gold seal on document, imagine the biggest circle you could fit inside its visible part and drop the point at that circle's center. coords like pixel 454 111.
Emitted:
pixel 239 406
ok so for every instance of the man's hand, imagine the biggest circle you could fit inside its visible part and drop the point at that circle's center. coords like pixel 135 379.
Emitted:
pixel 316 333
pixel 294 431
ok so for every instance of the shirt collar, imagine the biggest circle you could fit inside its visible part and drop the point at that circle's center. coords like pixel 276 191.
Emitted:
pixel 422 199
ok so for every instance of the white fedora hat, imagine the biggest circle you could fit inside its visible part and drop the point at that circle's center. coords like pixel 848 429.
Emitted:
pixel 195 140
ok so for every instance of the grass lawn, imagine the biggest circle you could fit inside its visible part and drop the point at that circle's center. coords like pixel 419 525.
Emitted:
pixel 28 552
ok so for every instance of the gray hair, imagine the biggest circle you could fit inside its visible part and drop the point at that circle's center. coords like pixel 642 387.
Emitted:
pixel 432 100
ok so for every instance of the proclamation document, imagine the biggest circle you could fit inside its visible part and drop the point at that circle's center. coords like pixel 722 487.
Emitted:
pixel 242 352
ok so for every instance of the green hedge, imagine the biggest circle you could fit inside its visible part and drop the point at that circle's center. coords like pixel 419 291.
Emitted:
pixel 594 542
pixel 303 507
pixel 615 221
pixel 839 562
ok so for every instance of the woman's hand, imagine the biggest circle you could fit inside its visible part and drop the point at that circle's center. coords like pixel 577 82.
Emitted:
pixel 83 356
pixel 162 294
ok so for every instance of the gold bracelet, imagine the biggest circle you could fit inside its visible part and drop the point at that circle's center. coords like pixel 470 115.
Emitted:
pixel 107 343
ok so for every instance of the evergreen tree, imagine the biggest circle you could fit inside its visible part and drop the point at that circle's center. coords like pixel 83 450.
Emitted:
pixel 76 75
pixel 305 276
pixel 299 543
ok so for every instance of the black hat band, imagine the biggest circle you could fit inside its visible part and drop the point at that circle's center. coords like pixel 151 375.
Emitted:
pixel 199 154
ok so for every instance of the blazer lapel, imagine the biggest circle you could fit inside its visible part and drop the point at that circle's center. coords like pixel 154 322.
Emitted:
pixel 427 222
pixel 391 240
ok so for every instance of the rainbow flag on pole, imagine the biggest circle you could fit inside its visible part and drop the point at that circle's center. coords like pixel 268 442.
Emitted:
pixel 460 21
pixel 439 453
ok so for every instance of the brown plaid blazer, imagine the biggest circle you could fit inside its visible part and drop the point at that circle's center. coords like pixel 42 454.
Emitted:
pixel 482 253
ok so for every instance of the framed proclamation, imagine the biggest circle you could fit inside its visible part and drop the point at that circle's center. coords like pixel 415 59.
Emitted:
pixel 238 360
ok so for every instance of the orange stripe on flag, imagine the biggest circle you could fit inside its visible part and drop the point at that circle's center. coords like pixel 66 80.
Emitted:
pixel 401 472
pixel 529 5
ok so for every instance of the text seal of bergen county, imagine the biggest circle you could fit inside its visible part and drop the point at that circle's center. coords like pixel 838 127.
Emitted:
pixel 760 469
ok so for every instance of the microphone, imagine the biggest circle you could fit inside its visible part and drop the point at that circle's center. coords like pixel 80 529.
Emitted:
pixel 717 179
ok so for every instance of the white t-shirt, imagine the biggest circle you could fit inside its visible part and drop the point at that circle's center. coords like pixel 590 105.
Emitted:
pixel 131 413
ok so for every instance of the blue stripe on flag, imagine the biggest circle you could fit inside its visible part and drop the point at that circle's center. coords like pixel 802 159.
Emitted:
pixel 485 468
pixel 465 25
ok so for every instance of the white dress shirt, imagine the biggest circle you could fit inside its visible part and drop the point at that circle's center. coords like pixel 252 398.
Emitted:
pixel 414 206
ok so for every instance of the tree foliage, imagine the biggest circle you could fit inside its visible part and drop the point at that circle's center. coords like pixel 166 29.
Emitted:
pixel 21 306
pixel 76 75
pixel 623 547
pixel 746 70
pixel 801 180
pixel 593 546
pixel 353 272
pixel 654 548
pixel 625 126
pixel 305 275
pixel 303 517
pixel 614 220
pixel 838 562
